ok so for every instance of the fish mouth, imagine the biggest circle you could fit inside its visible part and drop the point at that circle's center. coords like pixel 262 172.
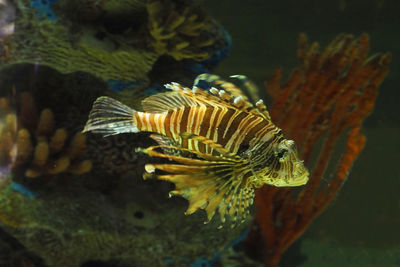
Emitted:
pixel 298 181
pixel 301 180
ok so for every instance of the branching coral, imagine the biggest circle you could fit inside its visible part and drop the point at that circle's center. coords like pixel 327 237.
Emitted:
pixel 328 95
pixel 179 33
pixel 35 145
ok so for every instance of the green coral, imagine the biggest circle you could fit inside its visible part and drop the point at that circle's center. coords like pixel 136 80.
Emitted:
pixel 116 41
pixel 181 33
pixel 69 49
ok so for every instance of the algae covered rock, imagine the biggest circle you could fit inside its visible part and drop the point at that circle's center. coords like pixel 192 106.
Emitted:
pixel 137 224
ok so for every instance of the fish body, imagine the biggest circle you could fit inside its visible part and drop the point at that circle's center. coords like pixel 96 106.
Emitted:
pixel 222 145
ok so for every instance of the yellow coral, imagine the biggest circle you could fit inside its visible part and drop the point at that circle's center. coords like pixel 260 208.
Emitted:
pixel 41 154
pixel 81 167
pixel 24 146
pixel 51 155
pixel 58 140
pixel 44 150
pixel 46 123
pixel 77 146
pixel 178 33
pixel 8 122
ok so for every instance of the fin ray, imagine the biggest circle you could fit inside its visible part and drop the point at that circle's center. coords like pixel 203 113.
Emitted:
pixel 164 102
pixel 257 108
pixel 109 117
pixel 215 183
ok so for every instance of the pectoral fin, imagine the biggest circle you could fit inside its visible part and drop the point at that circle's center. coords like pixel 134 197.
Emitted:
pixel 215 183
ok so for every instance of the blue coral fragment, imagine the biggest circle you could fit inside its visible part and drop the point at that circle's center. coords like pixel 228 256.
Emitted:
pixel 44 8
pixel 24 190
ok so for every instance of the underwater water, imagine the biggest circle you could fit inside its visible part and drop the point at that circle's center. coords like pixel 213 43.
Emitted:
pixel 78 199
pixel 359 227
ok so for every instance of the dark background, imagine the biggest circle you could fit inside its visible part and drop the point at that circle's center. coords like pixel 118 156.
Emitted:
pixel 366 213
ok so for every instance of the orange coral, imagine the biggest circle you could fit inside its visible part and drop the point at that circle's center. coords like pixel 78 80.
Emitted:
pixel 36 146
pixel 329 94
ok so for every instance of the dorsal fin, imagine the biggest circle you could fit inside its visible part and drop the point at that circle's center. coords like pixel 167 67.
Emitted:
pixel 163 102
pixel 216 81
pixel 181 96
pixel 238 98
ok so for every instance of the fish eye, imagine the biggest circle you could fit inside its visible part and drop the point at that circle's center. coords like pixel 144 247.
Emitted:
pixel 281 154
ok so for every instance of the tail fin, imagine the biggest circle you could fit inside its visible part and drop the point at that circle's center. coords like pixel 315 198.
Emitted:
pixel 109 116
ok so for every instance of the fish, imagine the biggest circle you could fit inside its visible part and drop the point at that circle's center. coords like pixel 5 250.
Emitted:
pixel 220 145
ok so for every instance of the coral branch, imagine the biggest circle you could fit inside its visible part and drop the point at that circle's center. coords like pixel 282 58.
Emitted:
pixel 329 94
pixel 180 33
pixel 34 145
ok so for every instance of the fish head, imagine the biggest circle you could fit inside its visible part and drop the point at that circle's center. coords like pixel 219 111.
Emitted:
pixel 282 166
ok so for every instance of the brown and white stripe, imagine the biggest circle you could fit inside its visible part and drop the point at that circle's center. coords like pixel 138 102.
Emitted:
pixel 229 127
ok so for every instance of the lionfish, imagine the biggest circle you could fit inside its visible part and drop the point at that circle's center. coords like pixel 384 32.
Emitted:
pixel 221 144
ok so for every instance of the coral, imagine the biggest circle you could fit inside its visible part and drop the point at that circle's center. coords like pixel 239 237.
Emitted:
pixel 54 50
pixel 8 130
pixel 116 41
pixel 34 143
pixel 57 45
pixel 69 225
pixel 114 155
pixel 326 99
pixel 179 32
pixel 44 8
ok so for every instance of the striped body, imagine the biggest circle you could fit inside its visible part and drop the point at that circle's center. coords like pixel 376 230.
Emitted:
pixel 228 127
